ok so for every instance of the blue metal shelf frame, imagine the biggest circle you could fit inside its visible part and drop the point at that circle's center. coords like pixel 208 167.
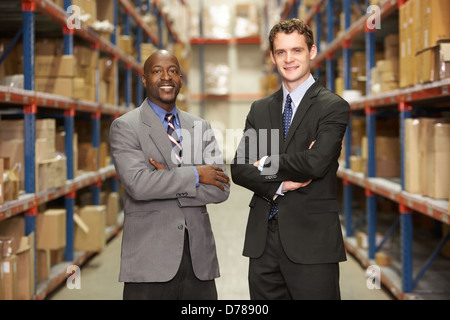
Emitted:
pixel 348 188
pixel 69 130
pixel 330 38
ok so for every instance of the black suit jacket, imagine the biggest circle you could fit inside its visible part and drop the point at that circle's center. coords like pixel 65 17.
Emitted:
pixel 308 220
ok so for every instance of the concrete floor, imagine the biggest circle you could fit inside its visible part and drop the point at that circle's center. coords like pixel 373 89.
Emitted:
pixel 99 277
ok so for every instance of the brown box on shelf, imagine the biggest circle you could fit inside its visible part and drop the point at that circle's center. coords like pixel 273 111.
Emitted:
pixel 426 126
pixel 55 66
pixel 93 237
pixel 432 22
pixel 14 151
pixel 433 64
pixel 62 86
pixel 25 268
pixel 438 168
pixel 51 229
pixel 42 264
pixel 87 157
pixel 51 173
pixel 11 180
pixel 383 259
pixel 9 277
pixel 112 209
pixel 407 44
pixel 2 197
pixel 412 156
pixel 105 10
pixel 13 227
pixel 85 56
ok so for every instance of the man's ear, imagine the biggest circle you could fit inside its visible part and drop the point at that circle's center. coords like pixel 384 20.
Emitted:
pixel 272 57
pixel 313 52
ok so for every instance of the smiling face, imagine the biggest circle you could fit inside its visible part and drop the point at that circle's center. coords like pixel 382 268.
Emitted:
pixel 292 58
pixel 162 79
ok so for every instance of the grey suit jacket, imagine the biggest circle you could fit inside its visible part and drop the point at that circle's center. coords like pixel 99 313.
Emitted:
pixel 158 204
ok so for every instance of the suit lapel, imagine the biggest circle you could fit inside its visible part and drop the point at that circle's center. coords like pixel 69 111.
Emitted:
pixel 157 133
pixel 275 110
pixel 187 138
pixel 303 108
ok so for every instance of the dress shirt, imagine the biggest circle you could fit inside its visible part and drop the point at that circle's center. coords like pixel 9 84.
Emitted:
pixel 161 114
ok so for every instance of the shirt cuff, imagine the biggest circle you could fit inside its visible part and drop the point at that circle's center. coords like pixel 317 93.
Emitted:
pixel 197 183
pixel 261 163
pixel 280 190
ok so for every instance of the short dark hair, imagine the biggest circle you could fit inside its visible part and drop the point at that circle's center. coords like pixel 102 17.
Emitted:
pixel 289 26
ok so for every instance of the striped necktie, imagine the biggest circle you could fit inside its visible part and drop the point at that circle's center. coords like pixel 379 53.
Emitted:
pixel 287 116
pixel 173 137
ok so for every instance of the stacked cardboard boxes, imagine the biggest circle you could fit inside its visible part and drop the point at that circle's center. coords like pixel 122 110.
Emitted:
pixel 424 32
pixel 427 157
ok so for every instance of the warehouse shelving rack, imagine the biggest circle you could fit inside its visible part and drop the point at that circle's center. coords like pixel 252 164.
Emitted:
pixel 32 100
pixel 403 100
pixel 202 42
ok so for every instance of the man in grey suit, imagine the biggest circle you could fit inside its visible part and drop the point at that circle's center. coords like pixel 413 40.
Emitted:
pixel 171 167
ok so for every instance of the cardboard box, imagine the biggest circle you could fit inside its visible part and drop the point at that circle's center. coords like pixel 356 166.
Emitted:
pixel 88 157
pixel 432 22
pixel 383 259
pixel 438 173
pixel 14 228
pixel 13 150
pixel 412 156
pixel 51 173
pixel 55 66
pixel 407 48
pixel 9 271
pixel 112 210
pixel 43 265
pixel 426 126
pixel 62 86
pixel 2 198
pixel 25 268
pixel 11 181
pixel 433 64
pixel 51 229
pixel 93 239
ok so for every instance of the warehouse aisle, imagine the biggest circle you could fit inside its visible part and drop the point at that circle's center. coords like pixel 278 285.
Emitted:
pixel 99 276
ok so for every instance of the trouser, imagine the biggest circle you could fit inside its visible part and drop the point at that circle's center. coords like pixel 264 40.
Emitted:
pixel 274 277
pixel 184 286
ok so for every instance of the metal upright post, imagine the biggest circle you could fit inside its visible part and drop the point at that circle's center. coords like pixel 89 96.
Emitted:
pixel 318 37
pixel 405 212
pixel 28 8
pixel 201 62
pixel 139 37
pixel 69 116
pixel 330 38
pixel 371 134
pixel 348 189
pixel 128 73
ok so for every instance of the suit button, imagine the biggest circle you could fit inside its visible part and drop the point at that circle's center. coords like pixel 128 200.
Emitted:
pixel 180 227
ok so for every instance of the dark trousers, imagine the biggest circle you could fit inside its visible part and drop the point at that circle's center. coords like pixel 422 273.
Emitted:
pixel 184 286
pixel 274 277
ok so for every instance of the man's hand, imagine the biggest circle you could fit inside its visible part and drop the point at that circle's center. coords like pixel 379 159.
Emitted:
pixel 156 164
pixel 212 175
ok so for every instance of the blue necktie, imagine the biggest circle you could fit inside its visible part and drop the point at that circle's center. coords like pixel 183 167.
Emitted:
pixel 287 116
pixel 173 137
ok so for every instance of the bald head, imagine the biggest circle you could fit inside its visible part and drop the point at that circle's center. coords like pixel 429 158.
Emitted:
pixel 158 55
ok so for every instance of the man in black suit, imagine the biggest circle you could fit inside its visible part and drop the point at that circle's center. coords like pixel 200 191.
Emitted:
pixel 293 237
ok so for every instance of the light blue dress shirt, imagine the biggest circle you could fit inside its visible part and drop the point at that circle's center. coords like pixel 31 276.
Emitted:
pixel 161 114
